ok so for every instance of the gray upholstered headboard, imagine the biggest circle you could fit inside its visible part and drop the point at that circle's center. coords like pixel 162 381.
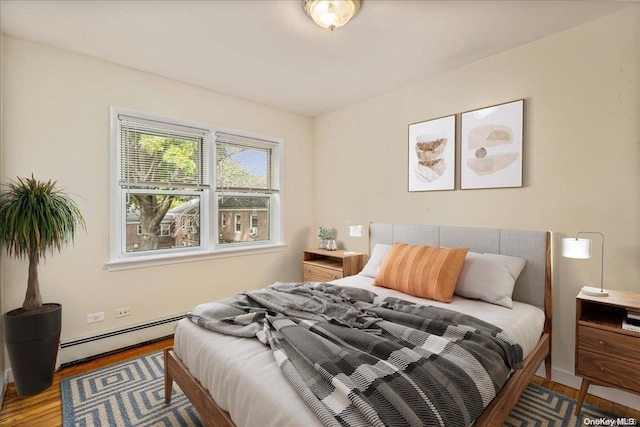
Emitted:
pixel 533 246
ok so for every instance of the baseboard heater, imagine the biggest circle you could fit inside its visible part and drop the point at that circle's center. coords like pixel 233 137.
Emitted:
pixel 114 333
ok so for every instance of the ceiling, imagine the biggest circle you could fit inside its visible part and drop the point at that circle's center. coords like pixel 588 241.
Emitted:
pixel 271 52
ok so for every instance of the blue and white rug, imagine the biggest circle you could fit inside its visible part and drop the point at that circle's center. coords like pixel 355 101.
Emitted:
pixel 127 394
pixel 131 394
pixel 540 407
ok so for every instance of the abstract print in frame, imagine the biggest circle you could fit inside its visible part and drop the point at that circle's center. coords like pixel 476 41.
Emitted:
pixel 432 154
pixel 491 150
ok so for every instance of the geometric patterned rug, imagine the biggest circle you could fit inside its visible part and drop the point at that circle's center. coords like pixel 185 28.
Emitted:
pixel 126 394
pixel 131 393
pixel 539 406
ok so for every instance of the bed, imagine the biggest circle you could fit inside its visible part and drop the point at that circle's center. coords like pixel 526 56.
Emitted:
pixel 210 367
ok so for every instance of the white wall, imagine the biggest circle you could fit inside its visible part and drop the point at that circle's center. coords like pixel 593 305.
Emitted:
pixel 56 120
pixel 582 109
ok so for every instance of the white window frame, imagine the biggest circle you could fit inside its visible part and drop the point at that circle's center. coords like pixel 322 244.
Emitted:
pixel 165 230
pixel 119 259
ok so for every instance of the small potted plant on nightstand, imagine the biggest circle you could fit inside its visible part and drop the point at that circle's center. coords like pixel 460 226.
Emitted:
pixel 35 217
pixel 326 239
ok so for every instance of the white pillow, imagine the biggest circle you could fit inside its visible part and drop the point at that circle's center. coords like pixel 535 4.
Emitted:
pixel 372 267
pixel 489 277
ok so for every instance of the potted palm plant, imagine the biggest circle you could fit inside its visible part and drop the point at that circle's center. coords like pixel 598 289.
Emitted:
pixel 35 218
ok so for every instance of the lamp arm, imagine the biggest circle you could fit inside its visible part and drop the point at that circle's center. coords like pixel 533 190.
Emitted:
pixel 601 254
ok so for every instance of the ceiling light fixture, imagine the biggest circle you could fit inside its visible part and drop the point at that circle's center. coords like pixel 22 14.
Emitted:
pixel 331 14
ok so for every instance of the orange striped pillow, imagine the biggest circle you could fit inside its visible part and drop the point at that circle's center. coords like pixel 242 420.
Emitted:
pixel 422 271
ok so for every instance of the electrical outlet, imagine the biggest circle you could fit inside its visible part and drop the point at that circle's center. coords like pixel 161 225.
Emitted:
pixel 95 317
pixel 121 312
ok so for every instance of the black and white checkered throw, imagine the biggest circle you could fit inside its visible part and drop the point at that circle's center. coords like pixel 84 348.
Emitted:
pixel 360 361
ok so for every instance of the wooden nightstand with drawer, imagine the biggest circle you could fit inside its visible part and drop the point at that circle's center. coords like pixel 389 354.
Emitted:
pixel 319 265
pixel 606 354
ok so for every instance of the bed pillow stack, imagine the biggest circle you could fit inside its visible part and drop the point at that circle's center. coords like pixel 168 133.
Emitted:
pixel 437 273
pixel 422 271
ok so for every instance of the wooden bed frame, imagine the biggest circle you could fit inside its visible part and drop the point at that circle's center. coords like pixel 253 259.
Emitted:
pixel 493 415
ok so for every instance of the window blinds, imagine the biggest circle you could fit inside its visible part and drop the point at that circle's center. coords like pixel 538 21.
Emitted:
pixel 162 155
pixel 246 164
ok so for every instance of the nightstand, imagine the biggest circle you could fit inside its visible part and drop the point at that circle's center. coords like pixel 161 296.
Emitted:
pixel 606 354
pixel 319 265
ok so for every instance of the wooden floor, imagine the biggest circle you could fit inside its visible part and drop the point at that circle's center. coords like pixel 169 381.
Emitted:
pixel 45 409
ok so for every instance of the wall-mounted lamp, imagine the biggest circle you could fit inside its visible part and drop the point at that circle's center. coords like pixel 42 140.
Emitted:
pixel 355 231
pixel 331 14
pixel 573 247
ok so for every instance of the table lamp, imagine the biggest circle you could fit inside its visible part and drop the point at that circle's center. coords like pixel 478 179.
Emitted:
pixel 574 247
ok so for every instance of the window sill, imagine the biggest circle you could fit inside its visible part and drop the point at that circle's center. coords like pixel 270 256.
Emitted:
pixel 168 259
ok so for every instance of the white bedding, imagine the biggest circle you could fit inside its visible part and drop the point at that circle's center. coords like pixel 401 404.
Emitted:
pixel 243 378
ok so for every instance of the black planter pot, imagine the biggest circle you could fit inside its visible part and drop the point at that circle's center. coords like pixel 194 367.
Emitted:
pixel 32 343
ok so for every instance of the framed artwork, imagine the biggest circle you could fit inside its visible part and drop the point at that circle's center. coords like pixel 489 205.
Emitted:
pixel 491 148
pixel 432 154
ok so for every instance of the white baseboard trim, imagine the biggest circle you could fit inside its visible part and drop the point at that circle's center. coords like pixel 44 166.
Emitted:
pixel 570 380
pixel 87 347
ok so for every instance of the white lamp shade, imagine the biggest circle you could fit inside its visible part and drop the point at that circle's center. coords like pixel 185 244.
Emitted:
pixel 576 248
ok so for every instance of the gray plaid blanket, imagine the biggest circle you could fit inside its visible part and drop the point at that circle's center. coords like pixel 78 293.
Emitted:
pixel 360 361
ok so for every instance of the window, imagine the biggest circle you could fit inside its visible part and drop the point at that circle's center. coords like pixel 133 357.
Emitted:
pixel 161 171
pixel 165 230
pixel 253 231
pixel 247 185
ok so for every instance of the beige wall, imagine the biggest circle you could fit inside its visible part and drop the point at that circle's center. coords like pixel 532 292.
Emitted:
pixel 2 379
pixel 57 126
pixel 581 162
pixel 582 167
